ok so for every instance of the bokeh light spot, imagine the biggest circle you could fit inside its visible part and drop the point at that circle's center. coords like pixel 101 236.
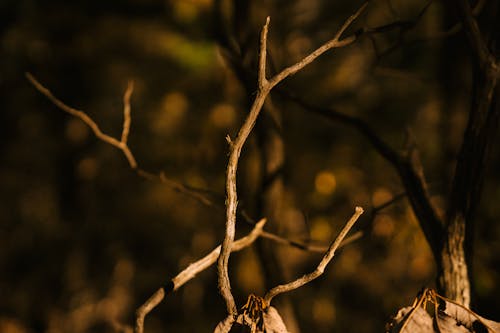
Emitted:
pixel 381 196
pixel 172 110
pixel 325 182
pixel 383 226
pixel 223 116
pixel 76 131
pixel 323 310
pixel 87 168
pixel 321 229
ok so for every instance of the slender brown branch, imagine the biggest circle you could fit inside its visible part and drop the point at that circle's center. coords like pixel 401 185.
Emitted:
pixel 410 174
pixel 77 113
pixel 472 31
pixel 146 308
pixel 333 43
pixel 190 272
pixel 264 87
pixel 322 264
pixel 200 195
pixel 308 247
pixel 126 112
pixel 197 194
pixel 232 197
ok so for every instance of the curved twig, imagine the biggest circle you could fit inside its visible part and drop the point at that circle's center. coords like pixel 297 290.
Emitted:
pixel 264 88
pixel 322 264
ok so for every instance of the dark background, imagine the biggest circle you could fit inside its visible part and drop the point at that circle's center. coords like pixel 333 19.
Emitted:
pixel 84 240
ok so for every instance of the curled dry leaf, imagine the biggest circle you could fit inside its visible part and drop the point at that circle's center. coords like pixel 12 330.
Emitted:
pixel 225 325
pixel 254 317
pixel 433 313
pixel 273 322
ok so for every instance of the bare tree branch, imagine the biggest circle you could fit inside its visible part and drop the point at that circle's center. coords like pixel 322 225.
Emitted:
pixel 197 194
pixel 264 87
pixel 122 145
pixel 472 31
pixel 333 43
pixel 126 112
pixel 308 247
pixel 232 197
pixel 321 266
pixel 204 197
pixel 410 173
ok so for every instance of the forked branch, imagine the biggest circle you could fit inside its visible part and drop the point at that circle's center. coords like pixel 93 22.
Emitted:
pixel 322 264
pixel 264 87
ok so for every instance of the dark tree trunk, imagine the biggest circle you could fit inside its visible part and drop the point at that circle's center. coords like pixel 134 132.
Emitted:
pixel 455 257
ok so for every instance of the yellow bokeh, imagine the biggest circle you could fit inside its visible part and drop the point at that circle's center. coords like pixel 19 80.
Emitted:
pixel 383 226
pixel 249 274
pixel 321 230
pixel 323 310
pixel 87 168
pixel 381 196
pixel 76 131
pixel 173 108
pixel 223 115
pixel 325 182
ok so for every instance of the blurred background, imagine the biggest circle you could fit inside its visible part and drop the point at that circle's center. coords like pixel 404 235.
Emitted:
pixel 84 240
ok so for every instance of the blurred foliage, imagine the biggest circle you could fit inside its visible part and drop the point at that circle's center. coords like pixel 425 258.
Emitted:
pixel 84 241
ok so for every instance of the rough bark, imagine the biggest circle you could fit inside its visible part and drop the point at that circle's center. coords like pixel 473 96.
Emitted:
pixel 473 159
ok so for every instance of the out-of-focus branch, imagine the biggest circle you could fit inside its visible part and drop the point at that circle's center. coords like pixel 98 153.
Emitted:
pixel 264 87
pixel 411 174
pixel 308 247
pixel 336 42
pixel 190 272
pixel 197 194
pixel 122 144
pixel 473 157
pixel 126 112
pixel 232 197
pixel 406 26
pixel 472 31
pixel 205 197
pixel 322 264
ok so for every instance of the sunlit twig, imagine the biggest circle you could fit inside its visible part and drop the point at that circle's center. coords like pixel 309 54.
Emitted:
pixel 322 264
pixel 264 88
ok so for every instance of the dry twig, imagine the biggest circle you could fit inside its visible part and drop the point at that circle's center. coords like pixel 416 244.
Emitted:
pixel 321 266
pixel 264 87
pixel 197 194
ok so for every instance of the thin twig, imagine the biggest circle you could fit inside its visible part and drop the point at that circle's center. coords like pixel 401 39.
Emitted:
pixel 146 308
pixel 411 175
pixel 195 193
pixel 321 266
pixel 308 247
pixel 190 272
pixel 336 42
pixel 204 197
pixel 471 28
pixel 232 197
pixel 77 113
pixel 264 87
pixel 126 112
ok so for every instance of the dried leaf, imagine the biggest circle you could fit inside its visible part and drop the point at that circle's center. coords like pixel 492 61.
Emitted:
pixel 411 320
pixel 433 313
pixel 225 325
pixel 273 322
pixel 465 317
